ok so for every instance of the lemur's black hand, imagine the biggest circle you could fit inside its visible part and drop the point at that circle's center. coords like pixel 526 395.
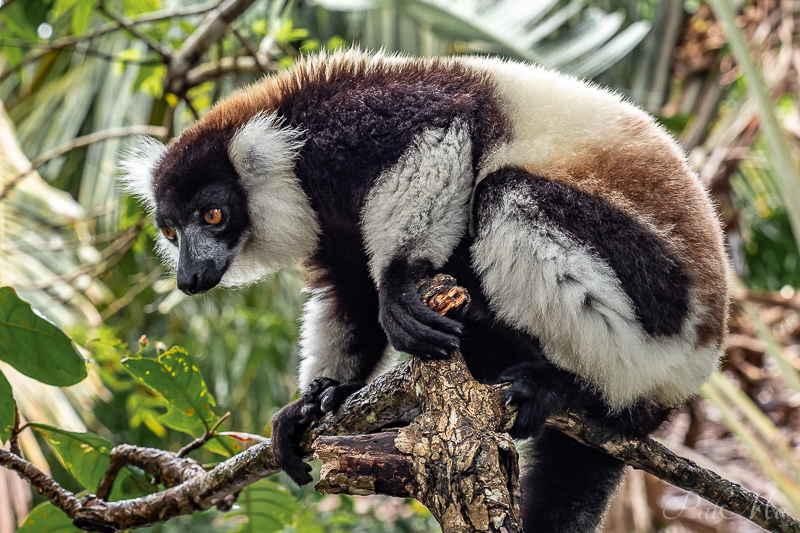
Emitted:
pixel 322 396
pixel 538 390
pixel 409 324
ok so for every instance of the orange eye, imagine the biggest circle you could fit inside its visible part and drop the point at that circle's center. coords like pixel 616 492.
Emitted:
pixel 169 233
pixel 213 216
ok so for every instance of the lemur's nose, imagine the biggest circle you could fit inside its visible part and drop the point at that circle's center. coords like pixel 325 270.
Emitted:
pixel 187 283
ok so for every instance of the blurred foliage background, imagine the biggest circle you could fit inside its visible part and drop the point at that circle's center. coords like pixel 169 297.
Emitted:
pixel 79 77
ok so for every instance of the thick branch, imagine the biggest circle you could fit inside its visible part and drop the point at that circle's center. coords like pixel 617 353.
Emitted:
pixel 654 458
pixel 453 457
pixel 44 484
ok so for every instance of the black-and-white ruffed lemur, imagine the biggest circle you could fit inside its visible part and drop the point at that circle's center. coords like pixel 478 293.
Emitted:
pixel 592 253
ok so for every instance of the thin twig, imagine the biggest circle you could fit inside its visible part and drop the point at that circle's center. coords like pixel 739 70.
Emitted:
pixel 78 142
pixel 122 302
pixel 110 256
pixel 253 51
pixel 131 27
pixel 68 42
pixel 13 441
pixel 200 441
pixel 226 65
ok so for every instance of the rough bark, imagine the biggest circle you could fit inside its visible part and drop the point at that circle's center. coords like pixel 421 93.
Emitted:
pixel 453 456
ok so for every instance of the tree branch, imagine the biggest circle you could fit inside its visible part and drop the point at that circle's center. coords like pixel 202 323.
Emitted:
pixel 452 456
pixel 79 142
pixel 68 42
pixel 226 65
pixel 209 32
pixel 142 36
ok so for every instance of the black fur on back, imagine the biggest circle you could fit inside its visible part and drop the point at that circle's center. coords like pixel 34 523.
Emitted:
pixel 649 273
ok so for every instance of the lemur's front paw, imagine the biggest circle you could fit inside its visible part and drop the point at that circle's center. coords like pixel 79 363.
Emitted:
pixel 322 396
pixel 536 394
pixel 414 328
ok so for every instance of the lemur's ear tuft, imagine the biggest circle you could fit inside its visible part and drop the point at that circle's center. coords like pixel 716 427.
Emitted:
pixel 263 147
pixel 137 167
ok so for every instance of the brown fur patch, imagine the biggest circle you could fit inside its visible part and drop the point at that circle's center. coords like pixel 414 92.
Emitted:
pixel 656 186
pixel 270 93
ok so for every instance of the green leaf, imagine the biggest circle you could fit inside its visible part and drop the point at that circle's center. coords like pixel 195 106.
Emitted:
pixel 35 346
pixel 47 518
pixel 81 16
pixel 7 409
pixel 150 79
pixel 179 420
pixel 176 378
pixel 130 485
pixel 131 8
pixel 268 506
pixel 23 18
pixel 86 455
pixel 62 6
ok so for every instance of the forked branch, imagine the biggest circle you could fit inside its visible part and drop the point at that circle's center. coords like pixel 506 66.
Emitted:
pixel 453 455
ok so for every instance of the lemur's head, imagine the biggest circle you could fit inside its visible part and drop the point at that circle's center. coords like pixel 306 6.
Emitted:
pixel 226 201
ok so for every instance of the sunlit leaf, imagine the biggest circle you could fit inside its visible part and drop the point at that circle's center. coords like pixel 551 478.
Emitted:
pixel 176 378
pixel 35 346
pixel 7 409
pixel 81 15
pixel 47 518
pixel 85 455
pixel 150 80
pixel 62 6
pixel 137 7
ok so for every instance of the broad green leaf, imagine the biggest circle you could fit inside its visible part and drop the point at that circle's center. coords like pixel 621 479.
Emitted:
pixel 81 16
pixel 47 518
pixel 86 455
pixel 7 409
pixel 179 420
pixel 35 346
pixel 268 506
pixel 176 378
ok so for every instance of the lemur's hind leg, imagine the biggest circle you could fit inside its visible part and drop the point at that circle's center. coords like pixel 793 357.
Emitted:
pixel 566 486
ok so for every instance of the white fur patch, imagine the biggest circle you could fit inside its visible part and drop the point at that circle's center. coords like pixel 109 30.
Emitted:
pixel 539 280
pixel 419 208
pixel 168 252
pixel 284 227
pixel 325 342
pixel 137 166
pixel 556 117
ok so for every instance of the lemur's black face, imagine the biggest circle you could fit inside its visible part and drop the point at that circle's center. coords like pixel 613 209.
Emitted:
pixel 201 209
